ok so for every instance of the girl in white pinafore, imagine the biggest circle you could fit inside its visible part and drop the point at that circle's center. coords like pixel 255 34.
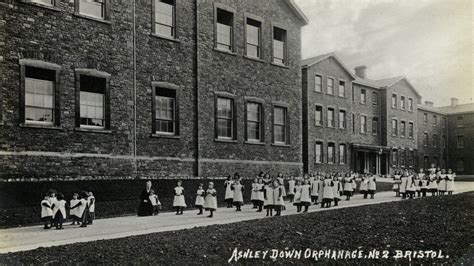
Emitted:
pixel 210 202
pixel 424 185
pixel 410 190
pixel 179 202
pixel 403 185
pixel 281 180
pixel 372 186
pixel 347 185
pixel 260 194
pixel 418 182
pixel 320 187
pixel 238 200
pixel 305 198
pixel 291 189
pixel 364 185
pixel 199 203
pixel 297 200
pixel 314 182
pixel 46 212
pixel 278 201
pixel 354 185
pixel 433 186
pixel 229 194
pixel 59 211
pixel 253 193
pixel 269 202
pixel 337 190
pixel 442 184
pixel 328 194
pixel 74 213
pixel 450 182
pixel 396 183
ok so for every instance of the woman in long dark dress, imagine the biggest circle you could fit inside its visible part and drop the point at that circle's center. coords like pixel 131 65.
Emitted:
pixel 145 208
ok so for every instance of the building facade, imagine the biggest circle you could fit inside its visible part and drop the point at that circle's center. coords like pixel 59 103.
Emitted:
pixel 153 89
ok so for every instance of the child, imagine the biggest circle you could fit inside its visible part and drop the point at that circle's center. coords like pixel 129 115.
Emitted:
pixel 253 193
pixel 74 213
pixel 59 211
pixel 424 185
pixel 450 182
pixel 372 186
pixel 403 185
pixel 46 211
pixel 210 202
pixel 229 194
pixel 420 177
pixel 314 182
pixel 278 201
pixel 364 185
pixel 411 185
pixel 297 198
pixel 281 181
pixel 433 187
pixel 320 186
pixel 268 198
pixel 305 198
pixel 396 183
pixel 179 203
pixel 260 194
pixel 291 189
pixel 238 200
pixel 199 199
pixel 354 185
pixel 328 194
pixel 91 204
pixel 155 202
pixel 442 184
pixel 347 182
pixel 53 201
pixel 337 189
pixel 84 208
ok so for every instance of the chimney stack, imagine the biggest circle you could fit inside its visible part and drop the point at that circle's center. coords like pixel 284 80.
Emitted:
pixel 429 103
pixel 454 102
pixel 360 71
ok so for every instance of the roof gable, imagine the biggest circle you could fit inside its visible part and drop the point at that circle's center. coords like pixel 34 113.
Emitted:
pixel 297 11
pixel 317 59
pixel 387 83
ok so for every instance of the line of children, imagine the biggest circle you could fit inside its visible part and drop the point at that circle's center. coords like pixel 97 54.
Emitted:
pixel 434 180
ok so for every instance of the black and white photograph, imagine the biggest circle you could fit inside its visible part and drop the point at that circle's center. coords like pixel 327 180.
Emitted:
pixel 214 132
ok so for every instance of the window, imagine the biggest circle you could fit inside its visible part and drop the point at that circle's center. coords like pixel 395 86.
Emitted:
pixel 394 101
pixel 353 93
pixel 318 116
pixel 443 121
pixel 363 124
pixel 403 129
pixel 460 141
pixel 92 101
pixel 254 36
pixel 444 141
pixel 224 30
pixel 165 111
pixel 394 127
pixel 279 46
pixel 44 2
pixel 425 139
pixel 363 96
pixel 435 120
pixel 331 155
pixel 375 98
pixel 410 129
pixel 342 119
pixel 402 157
pixel 39 96
pixel 402 102
pixel 425 118
pixel 331 117
pixel 460 121
pixel 435 161
pixel 411 158
pixel 318 83
pixel 342 88
pixel 410 104
pixel 426 162
pixel 319 152
pixel 375 125
pixel 280 125
pixel 254 121
pixel 164 17
pixel 435 141
pixel 394 157
pixel 342 154
pixel 225 118
pixel 460 165
pixel 92 8
pixel 330 88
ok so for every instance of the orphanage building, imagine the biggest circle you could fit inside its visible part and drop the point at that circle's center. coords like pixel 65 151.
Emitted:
pixel 158 88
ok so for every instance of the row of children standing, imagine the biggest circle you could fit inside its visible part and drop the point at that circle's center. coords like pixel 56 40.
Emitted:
pixel 436 181
pixel 81 209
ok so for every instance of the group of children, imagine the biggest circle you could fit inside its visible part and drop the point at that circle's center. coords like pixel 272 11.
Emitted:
pixel 205 199
pixel 436 181
pixel 81 209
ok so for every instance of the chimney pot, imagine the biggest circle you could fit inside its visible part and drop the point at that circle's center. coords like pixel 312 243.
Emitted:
pixel 360 71
pixel 454 102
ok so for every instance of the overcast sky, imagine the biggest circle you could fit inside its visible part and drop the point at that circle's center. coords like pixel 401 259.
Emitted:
pixel 428 41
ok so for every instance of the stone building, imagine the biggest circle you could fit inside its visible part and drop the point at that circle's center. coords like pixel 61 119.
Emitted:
pixel 162 88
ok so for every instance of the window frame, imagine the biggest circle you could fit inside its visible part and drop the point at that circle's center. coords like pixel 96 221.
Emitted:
pixel 233 99
pixel 394 104
pixel 286 125
pixel 403 129
pixel 106 16
pixel 321 85
pixel 411 130
pixel 315 116
pixel 394 130
pixel 232 34
pixel 327 85
pixel 426 139
pixel 54 3
pixel 171 87
pixel 342 157
pixel 333 152
pixel 460 144
pixel 339 88
pixel 376 120
pixel 375 95
pixel 153 21
pixel 363 125
pixel 321 143
pixel 333 109
pixel 261 122
pixel 286 44
pixel 260 37
pixel 403 104
pixel 410 104
pixel 344 122
pixel 462 121
pixel 363 100
pixel 435 141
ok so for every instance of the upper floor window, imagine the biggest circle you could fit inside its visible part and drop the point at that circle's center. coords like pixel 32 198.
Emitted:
pixel 460 121
pixel 254 121
pixel 44 2
pixel 330 87
pixel 410 129
pixel 425 139
pixel 319 152
pixel 435 141
pixel 435 120
pixel 253 40
pixel 164 20
pixel 444 141
pixel 403 129
pixel 375 125
pixel 225 118
pixel 224 30
pixel 363 96
pixel 92 8
pixel 280 124
pixel 460 142
pixel 394 127
pixel 375 98
pixel 279 46
pixel 318 83
pixel 342 88
pixel 394 101
pixel 342 119
pixel 92 101
pixel 394 157
pixel 410 104
pixel 330 117
pixel 363 124
pixel 402 102
pixel 331 153
pixel 318 116
pixel 39 95
pixel 342 154
pixel 165 111
pixel 425 118
pixel 443 121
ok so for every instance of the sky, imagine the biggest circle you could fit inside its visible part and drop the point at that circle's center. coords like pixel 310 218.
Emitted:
pixel 428 41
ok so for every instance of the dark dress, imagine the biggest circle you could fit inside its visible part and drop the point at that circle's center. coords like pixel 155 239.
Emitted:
pixel 145 208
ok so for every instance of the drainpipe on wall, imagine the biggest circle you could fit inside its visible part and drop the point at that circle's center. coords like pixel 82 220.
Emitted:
pixel 197 170
pixel 135 166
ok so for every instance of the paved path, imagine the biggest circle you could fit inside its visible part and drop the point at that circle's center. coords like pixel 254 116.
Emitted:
pixel 27 238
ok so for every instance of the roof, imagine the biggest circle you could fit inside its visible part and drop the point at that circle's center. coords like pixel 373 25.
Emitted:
pixel 430 109
pixel 297 11
pixel 460 108
pixel 366 82
pixel 314 60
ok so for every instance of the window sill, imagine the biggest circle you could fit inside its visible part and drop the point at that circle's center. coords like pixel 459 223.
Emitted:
pixel 280 65
pixel 164 136
pixel 281 145
pixel 93 130
pixel 52 8
pixel 79 15
pixel 225 140
pixel 342 97
pixel 363 103
pixel 225 51
pixel 255 143
pixel 53 127
pixel 254 59
pixel 318 125
pixel 159 36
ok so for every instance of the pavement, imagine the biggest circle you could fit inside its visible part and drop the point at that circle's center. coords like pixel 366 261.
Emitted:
pixel 32 237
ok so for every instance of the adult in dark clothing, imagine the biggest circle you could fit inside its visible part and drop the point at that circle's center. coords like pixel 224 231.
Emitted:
pixel 145 208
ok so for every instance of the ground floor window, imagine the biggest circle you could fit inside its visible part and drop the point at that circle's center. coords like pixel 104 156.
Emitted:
pixel 165 111
pixel 92 101
pixel 39 95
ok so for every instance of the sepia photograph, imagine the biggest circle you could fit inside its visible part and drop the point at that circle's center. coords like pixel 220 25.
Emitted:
pixel 214 132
